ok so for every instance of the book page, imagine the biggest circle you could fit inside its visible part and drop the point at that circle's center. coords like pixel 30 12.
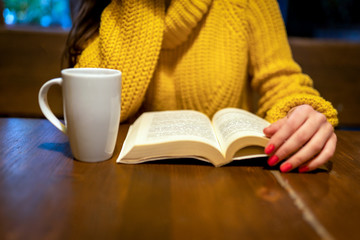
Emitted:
pixel 231 124
pixel 165 126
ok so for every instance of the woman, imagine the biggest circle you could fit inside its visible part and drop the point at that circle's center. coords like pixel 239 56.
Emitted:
pixel 206 55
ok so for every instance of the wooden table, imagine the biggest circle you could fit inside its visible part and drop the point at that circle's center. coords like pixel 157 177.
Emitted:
pixel 45 194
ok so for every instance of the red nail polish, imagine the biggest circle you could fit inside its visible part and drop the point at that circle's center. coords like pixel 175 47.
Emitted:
pixel 285 167
pixel 273 160
pixel 269 149
pixel 303 169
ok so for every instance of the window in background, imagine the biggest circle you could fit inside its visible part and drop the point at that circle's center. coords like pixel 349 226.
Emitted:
pixel 332 19
pixel 45 13
pixel 283 4
pixel 337 19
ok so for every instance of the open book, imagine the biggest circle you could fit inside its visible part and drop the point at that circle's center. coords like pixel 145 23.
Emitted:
pixel 231 134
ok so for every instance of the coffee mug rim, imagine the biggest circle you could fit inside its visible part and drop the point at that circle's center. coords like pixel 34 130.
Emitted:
pixel 108 72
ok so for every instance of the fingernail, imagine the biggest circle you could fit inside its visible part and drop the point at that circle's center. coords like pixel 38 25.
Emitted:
pixel 303 169
pixel 285 167
pixel 273 160
pixel 269 149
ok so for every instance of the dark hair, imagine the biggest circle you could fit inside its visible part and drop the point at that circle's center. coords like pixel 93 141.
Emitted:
pixel 85 25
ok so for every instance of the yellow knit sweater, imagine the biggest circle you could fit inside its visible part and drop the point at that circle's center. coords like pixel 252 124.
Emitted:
pixel 201 54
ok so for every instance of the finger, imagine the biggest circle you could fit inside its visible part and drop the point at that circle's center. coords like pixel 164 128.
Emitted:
pixel 269 132
pixel 291 111
pixel 295 141
pixel 312 148
pixel 312 125
pixel 290 125
pixel 273 128
pixel 324 156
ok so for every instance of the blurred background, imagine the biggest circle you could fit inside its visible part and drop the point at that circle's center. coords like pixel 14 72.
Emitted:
pixel 324 36
pixel 44 13
pixel 336 19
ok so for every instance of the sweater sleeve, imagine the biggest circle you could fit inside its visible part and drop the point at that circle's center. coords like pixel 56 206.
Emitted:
pixel 278 79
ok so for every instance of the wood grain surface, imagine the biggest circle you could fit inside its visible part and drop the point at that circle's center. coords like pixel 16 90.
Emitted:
pixel 45 194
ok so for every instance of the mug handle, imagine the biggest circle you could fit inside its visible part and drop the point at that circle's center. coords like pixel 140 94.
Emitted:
pixel 44 105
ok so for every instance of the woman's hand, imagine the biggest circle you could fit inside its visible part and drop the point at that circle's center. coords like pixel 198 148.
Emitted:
pixel 305 137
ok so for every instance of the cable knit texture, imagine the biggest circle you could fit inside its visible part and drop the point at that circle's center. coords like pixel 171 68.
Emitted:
pixel 203 55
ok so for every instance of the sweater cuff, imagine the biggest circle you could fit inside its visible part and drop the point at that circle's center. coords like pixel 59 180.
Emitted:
pixel 282 107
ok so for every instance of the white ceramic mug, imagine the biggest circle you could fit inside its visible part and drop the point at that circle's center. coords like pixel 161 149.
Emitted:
pixel 91 102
